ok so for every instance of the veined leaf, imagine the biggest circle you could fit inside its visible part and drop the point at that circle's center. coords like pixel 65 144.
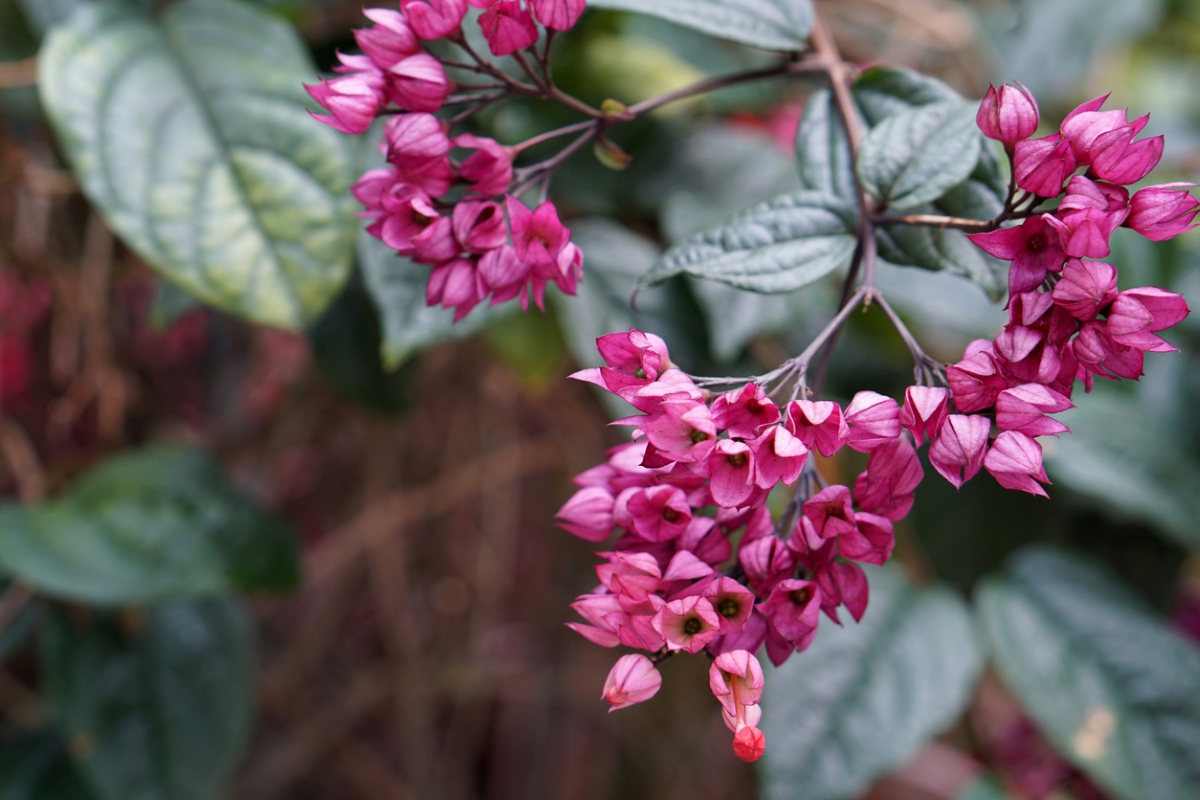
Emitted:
pixel 823 151
pixel 767 24
pixel 1113 688
pixel 883 91
pixel 146 527
pixel 914 156
pixel 192 137
pixel 160 709
pixel 865 698
pixel 777 246
pixel 37 767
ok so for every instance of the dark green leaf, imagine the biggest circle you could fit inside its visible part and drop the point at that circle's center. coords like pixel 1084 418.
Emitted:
pixel 769 24
pixel 168 304
pixel 1130 461
pixel 160 710
pixel 778 246
pixel 192 137
pixel 864 699
pixel 983 788
pixel 883 91
pixel 144 527
pixel 1113 688
pixel 941 249
pixel 37 767
pixel 914 156
pixel 823 151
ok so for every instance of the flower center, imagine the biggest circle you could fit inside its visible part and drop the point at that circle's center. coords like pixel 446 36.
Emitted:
pixel 1037 243
pixel 692 626
pixel 698 436
pixel 728 608
pixel 801 596
pixel 670 514
pixel 421 219
pixel 737 460
pixel 640 374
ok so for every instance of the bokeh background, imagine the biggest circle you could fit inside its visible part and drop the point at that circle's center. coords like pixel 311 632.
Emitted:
pixel 425 655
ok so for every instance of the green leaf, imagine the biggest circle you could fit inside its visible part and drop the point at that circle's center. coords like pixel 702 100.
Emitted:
pixel 914 156
pixel 192 137
pixel 144 527
pixel 940 249
pixel 1130 461
pixel 823 151
pixel 768 24
pixel 37 767
pixel 778 246
pixel 865 698
pixel 397 286
pixel 1114 689
pixel 168 305
pixel 883 91
pixel 983 788
pixel 161 710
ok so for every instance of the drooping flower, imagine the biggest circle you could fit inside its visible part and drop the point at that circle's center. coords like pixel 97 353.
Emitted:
pixel 507 27
pixel 633 679
pixel 872 419
pixel 957 453
pixel 538 236
pixel 588 514
pixel 1033 247
pixel 418 83
pixel 1024 408
pixel 433 19
pixel 1043 165
pixel 1086 287
pixel 687 624
pixel 924 410
pixel 1015 461
pixel 489 169
pixel 558 14
pixel 819 425
pixel 1163 212
pixel 745 411
pixel 736 680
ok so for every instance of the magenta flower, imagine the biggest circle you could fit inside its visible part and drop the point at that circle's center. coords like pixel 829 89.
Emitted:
pixel 732 601
pixel 504 274
pixel 1015 461
pixel 736 680
pixel 1086 287
pixel 1008 114
pixel 418 147
pixel 558 14
pixel 819 425
pixel 792 611
pixel 843 584
pixel 1116 157
pixel 352 101
pixel 433 19
pixel 682 430
pixel 1033 247
pixel 1042 165
pixel 872 539
pixel 390 40
pixel 479 227
pixel 659 513
pixel 924 410
pixel 1086 122
pixel 1024 409
pixel 730 467
pixel 825 516
pixel 1163 212
pixel 957 454
pixel 687 624
pixel 405 214
pixel 685 566
pixel 455 284
pixel 975 382
pixel 418 83
pixel 538 235
pixel 588 514
pixel 489 169
pixel 893 474
pixel 633 679
pixel 872 420
pixel 750 638
pixel 1089 213
pixel 507 27
pixel 745 411
pixel 778 457
pixel 766 561
pixel 1024 355
pixel 604 616
pixel 1137 313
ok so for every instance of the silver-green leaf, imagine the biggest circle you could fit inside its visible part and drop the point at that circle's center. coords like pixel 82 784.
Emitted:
pixel 191 135
pixel 914 156
pixel 767 24
pixel 865 698
pixel 1112 687
pixel 778 246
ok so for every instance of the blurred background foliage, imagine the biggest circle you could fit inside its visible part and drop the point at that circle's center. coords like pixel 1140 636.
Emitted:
pixel 419 466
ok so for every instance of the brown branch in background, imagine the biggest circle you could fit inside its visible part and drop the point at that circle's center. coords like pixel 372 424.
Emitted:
pixel 18 74
pixel 22 458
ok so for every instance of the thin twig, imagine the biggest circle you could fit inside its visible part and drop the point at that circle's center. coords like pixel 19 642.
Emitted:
pixel 806 66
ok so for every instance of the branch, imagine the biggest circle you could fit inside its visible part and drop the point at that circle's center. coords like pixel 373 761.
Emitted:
pixel 806 66
pixel 935 221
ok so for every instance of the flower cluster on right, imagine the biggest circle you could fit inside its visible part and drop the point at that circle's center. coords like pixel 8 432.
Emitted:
pixel 1067 321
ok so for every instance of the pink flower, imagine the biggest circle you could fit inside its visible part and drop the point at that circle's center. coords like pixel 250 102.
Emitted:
pixel 736 680
pixel 1041 165
pixel 352 101
pixel 433 19
pixel 766 561
pixel 1008 115
pixel 1024 355
pixel 489 169
pixel 390 40
pixel 635 359
pixel 893 474
pixel 633 679
pixel 604 616
pixel 558 14
pixel 538 235
pixel 792 611
pixel 405 214
pixel 685 566
pixel 1087 216
pixel 454 284
pixel 958 451
pixel 418 147
pixel 826 515
pixel 745 411
pixel 1024 409
pixel 731 469
pixel 503 273
pixel 749 638
pixel 819 425
pixel 659 513
pixel 1137 313
pixel 1116 157
pixel 588 514
pixel 924 410
pixel 418 83
pixel 778 457
pixel 1086 122
pixel 843 584
pixel 1086 287
pixel 683 430
pixel 687 624
pixel 872 540
pixel 507 27
pixel 1163 212
pixel 1033 247
pixel 975 382
pixel 1015 461
pixel 872 419
pixel 634 575
pixel 732 601
pixel 479 227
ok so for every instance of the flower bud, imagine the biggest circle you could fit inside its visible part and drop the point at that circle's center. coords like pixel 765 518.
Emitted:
pixel 433 19
pixel 1042 165
pixel 1008 114
pixel 958 451
pixel 633 679
pixel 1015 461
pixel 1163 212
pixel 558 14
pixel 507 28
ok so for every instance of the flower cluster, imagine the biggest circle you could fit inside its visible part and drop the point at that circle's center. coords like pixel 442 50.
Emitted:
pixel 454 215
pixel 1067 321
pixel 694 481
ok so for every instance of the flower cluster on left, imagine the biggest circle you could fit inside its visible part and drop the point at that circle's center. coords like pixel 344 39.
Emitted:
pixel 459 215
